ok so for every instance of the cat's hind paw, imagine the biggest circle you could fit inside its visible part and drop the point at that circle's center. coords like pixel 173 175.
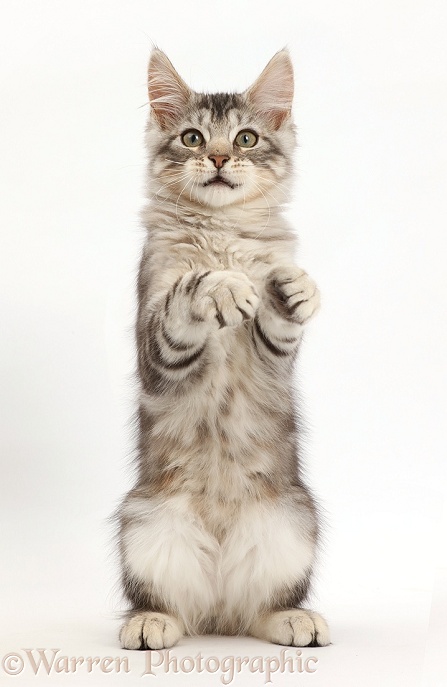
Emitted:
pixel 295 627
pixel 150 630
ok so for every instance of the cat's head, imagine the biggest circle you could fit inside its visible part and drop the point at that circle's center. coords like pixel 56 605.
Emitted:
pixel 221 149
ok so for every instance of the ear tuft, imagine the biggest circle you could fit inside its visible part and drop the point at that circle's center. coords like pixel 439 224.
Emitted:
pixel 168 93
pixel 272 92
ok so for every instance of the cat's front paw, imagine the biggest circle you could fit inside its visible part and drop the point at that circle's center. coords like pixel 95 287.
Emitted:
pixel 150 630
pixel 227 297
pixel 292 293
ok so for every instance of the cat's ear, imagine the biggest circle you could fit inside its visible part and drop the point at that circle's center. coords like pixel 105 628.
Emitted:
pixel 168 93
pixel 272 92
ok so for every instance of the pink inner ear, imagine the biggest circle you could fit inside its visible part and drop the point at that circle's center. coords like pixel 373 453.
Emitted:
pixel 272 92
pixel 277 117
pixel 168 93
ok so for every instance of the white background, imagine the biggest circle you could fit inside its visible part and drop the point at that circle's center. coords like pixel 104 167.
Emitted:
pixel 371 110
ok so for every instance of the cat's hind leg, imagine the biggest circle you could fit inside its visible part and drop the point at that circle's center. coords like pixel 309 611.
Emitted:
pixel 267 560
pixel 168 570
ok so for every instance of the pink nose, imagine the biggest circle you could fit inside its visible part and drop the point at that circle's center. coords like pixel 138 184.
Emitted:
pixel 219 160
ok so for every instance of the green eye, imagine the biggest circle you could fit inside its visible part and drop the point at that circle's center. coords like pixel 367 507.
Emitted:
pixel 192 138
pixel 246 139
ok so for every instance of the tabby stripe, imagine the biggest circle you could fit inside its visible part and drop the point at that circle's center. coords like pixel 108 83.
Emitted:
pixel 177 364
pixel 195 281
pixel 202 276
pixel 153 379
pixel 267 343
pixel 157 382
pixel 294 307
pixel 255 344
pixel 167 302
pixel 289 340
pixel 219 317
pixel 190 283
pixel 176 283
pixel 166 145
pixel 243 312
pixel 280 307
pixel 170 294
pixel 172 343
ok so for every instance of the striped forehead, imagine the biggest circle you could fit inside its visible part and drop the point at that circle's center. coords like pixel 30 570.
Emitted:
pixel 220 109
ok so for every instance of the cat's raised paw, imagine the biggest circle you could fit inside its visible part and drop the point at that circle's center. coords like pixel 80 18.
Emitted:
pixel 228 297
pixel 150 631
pixel 292 293
pixel 295 627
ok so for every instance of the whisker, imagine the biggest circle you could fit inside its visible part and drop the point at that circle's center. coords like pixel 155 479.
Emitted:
pixel 179 178
pixel 268 205
pixel 196 182
pixel 192 187
pixel 174 162
pixel 279 184
pixel 279 203
pixel 171 183
pixel 178 198
pixel 179 175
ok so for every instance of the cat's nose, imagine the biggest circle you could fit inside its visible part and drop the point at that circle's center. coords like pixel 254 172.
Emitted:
pixel 219 160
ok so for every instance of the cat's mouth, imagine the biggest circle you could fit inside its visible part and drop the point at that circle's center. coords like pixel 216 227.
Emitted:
pixel 219 181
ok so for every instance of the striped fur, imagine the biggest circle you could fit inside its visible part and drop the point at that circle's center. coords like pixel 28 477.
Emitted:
pixel 219 533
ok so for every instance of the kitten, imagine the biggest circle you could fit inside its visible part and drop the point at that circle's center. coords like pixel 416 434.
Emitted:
pixel 219 533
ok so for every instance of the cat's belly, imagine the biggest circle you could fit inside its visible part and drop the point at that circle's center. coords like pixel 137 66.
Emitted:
pixel 229 452
pixel 227 440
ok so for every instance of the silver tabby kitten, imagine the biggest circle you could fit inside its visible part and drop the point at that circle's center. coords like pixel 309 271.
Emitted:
pixel 219 533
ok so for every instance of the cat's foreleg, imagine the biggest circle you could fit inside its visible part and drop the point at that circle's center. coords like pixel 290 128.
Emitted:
pixel 289 300
pixel 174 327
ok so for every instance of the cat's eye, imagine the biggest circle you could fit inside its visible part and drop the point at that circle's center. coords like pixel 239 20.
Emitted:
pixel 192 138
pixel 246 139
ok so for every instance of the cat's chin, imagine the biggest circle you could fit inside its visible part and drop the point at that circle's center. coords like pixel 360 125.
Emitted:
pixel 219 195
